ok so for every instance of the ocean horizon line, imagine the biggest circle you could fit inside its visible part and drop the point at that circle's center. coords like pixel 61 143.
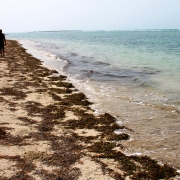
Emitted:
pixel 122 30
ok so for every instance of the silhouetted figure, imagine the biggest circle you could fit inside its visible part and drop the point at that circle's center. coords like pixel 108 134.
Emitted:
pixel 2 43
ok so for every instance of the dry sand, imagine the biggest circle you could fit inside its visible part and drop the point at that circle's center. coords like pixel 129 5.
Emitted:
pixel 48 131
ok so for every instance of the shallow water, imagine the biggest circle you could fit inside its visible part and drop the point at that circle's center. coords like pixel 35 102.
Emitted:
pixel 134 76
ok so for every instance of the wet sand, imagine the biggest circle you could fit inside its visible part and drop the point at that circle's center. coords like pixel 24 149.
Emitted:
pixel 48 130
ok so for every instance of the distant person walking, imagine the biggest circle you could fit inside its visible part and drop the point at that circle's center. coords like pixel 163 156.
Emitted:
pixel 2 43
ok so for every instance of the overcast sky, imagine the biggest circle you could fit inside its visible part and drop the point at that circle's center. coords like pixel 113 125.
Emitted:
pixel 37 15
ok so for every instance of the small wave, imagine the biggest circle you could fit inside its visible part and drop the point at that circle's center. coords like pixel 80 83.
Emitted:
pixel 118 76
pixel 149 71
pixel 51 55
pixel 46 46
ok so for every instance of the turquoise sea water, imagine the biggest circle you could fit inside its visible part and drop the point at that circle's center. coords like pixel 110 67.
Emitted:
pixel 149 59
pixel 134 75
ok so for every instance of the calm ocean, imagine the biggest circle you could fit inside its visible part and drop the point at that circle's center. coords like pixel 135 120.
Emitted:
pixel 133 75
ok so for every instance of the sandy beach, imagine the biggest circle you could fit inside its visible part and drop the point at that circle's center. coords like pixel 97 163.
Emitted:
pixel 48 130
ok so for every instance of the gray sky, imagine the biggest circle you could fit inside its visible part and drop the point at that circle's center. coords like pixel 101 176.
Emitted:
pixel 37 15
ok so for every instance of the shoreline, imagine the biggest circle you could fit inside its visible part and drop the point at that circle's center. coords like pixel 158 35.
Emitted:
pixel 49 131
pixel 155 133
